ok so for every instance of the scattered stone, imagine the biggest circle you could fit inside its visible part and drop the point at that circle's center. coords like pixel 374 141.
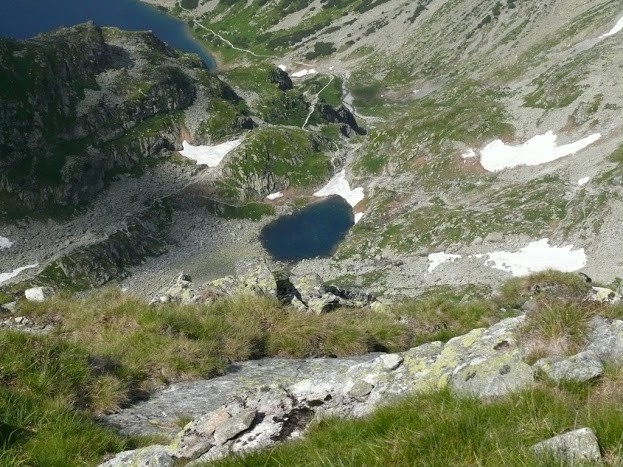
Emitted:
pixel 575 447
pixel 494 237
pixel 580 368
pixel 10 307
pixel 234 426
pixel 605 338
pixel 38 294
pixel 604 295
pixel 360 389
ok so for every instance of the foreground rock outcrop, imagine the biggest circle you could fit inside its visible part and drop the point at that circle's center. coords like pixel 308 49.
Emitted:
pixel 278 399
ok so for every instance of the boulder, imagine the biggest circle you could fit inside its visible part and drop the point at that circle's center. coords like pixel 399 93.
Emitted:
pixel 38 294
pixel 180 291
pixel 605 338
pixel 255 275
pixel 574 448
pixel 308 286
pixel 152 456
pixel 580 368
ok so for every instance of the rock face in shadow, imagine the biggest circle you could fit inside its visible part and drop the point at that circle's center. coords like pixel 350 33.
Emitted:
pixel 84 103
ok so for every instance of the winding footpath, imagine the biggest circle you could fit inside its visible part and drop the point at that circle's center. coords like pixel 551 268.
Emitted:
pixel 221 37
pixel 315 101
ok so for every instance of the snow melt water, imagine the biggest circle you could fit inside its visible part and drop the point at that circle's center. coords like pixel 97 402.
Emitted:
pixel 538 256
pixel 541 149
pixel 209 155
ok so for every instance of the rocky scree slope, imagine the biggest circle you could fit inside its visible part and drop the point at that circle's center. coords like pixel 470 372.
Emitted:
pixel 439 80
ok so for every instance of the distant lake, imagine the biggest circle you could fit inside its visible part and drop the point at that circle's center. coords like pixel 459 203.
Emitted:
pixel 21 19
pixel 316 230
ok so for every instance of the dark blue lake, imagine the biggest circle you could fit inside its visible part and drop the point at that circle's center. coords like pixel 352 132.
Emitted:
pixel 21 19
pixel 315 230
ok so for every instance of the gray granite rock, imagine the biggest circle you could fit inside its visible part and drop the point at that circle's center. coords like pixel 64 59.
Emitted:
pixel 583 367
pixel 574 448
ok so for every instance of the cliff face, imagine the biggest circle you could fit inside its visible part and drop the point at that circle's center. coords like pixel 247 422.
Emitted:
pixel 81 104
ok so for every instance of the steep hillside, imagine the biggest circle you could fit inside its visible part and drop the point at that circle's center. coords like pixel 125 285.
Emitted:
pixel 451 91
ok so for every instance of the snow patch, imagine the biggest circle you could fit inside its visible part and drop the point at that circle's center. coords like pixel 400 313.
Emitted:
pixel 584 181
pixel 282 67
pixel 5 276
pixel 338 185
pixel 304 72
pixel 541 149
pixel 358 216
pixel 469 154
pixel 209 155
pixel 437 259
pixel 537 256
pixel 5 243
pixel 273 196
pixel 617 28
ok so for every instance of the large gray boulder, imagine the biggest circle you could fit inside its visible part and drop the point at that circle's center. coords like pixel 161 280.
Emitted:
pixel 605 339
pixel 577 447
pixel 583 367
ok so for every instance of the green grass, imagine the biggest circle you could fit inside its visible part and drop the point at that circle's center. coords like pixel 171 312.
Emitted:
pixel 293 158
pixel 148 346
pixel 48 392
pixel 439 429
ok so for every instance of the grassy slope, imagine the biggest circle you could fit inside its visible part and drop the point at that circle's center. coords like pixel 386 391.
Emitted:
pixel 109 348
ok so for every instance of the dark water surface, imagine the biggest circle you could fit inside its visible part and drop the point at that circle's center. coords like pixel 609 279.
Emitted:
pixel 315 230
pixel 21 19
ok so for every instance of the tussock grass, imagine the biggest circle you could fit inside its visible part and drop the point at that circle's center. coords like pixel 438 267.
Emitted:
pixel 556 328
pixel 140 347
pixel 443 315
pixel 47 392
pixel 516 291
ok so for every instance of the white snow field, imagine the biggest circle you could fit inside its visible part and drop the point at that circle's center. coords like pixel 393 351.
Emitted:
pixel 537 256
pixel 437 259
pixel 5 276
pixel 274 196
pixel 583 181
pixel 617 28
pixel 541 149
pixel 209 155
pixel 5 243
pixel 304 72
pixel 338 185
pixel 282 67
pixel 358 216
